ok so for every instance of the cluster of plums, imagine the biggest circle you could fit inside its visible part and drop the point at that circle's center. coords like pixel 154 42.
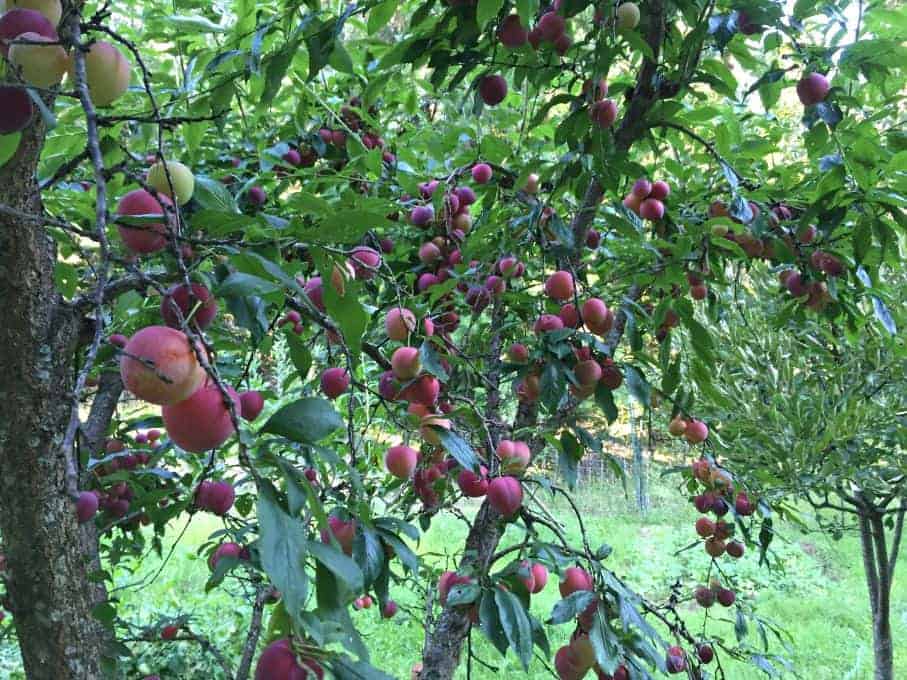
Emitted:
pixel 30 43
pixel 647 198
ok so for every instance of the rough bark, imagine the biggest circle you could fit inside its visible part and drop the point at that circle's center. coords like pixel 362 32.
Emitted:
pixel 50 595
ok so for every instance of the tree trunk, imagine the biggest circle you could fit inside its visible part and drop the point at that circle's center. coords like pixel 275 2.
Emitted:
pixel 877 563
pixel 48 557
pixel 441 652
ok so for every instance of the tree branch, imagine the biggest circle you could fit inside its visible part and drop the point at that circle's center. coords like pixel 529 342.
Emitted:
pixel 896 541
pixel 251 643
pixel 869 561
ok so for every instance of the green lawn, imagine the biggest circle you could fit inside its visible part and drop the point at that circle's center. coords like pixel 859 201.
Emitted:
pixel 816 593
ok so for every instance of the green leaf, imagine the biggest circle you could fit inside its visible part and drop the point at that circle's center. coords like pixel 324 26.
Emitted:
pixel 345 668
pixel 224 566
pixel 487 9
pixel 605 400
pixel 671 377
pixel 638 386
pixel 490 622
pixel 570 607
pixel 462 594
pixel 571 446
pixel 282 545
pixel 8 145
pixel 740 628
pixel 299 354
pixel 307 420
pixel 605 644
pixel 250 313
pixel 701 340
pixel 296 491
pixel 340 59
pixel 552 385
pixel 342 567
pixel 66 277
pixel 210 194
pixel 243 285
pixel 539 636
pixel 194 24
pixel 380 15
pixel 346 310
pixel 431 362
pixel 369 553
pixel 459 448
pixel 515 623
pixel 347 226
pixel 275 69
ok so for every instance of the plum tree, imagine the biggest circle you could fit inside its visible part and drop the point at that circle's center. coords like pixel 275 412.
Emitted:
pixel 365 262
pixel 473 485
pixel 342 530
pixel 512 32
pixel 159 365
pixel 228 549
pixel 514 456
pixel 406 363
pixel 812 89
pixel 279 661
pixel 559 286
pixel 575 579
pixel 603 113
pixel 696 431
pixel 481 173
pixel 86 506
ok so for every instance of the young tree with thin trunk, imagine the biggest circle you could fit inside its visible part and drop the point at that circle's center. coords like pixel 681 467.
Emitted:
pixel 810 418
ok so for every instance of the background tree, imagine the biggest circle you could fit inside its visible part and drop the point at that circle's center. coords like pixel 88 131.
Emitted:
pixel 467 225
pixel 810 416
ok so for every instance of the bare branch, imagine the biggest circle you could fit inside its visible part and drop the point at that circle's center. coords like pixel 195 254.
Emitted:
pixel 245 664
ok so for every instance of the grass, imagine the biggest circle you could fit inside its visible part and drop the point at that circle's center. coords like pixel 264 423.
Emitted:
pixel 815 590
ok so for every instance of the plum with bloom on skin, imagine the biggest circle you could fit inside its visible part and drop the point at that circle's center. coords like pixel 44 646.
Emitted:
pixel 203 421
pixel 481 173
pixel 505 494
pixel 401 461
pixel 812 89
pixel 492 89
pixel 86 506
pixel 279 661
pixel 251 403
pixel 215 497
pixel 334 382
